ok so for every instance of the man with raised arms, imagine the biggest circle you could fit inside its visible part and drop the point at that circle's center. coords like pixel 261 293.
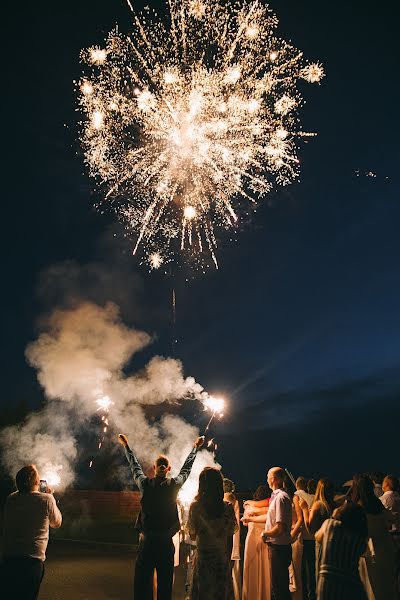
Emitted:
pixel 159 521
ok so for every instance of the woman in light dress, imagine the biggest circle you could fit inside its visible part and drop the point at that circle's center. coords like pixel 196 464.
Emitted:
pixel 378 565
pixel 229 496
pixel 256 576
pixel 321 509
pixel 211 524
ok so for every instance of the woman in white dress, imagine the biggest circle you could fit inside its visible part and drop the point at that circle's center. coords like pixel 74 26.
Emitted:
pixel 256 577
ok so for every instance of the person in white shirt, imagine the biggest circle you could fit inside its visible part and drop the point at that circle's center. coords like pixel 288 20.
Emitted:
pixel 277 535
pixel 28 514
pixel 391 500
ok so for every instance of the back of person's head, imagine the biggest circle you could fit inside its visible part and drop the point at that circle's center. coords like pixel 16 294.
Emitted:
pixel 277 475
pixel 262 492
pixel 211 492
pixel 325 493
pixel 301 484
pixel 162 466
pixel 27 478
pixel 362 493
pixel 311 486
pixel 391 483
pixel 229 486
pixel 353 517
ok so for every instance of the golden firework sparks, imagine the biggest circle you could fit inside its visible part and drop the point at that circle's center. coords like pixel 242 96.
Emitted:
pixel 183 120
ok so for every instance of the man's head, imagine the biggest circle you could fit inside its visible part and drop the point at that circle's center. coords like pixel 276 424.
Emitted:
pixel 27 479
pixel 301 484
pixel 275 478
pixel 162 466
pixel 390 484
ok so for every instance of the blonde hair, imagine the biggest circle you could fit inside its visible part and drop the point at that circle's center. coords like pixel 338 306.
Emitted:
pixel 325 494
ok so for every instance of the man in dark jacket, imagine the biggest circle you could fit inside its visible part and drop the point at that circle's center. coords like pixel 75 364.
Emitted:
pixel 159 521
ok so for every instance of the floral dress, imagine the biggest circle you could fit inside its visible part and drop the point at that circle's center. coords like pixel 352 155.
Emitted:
pixel 212 571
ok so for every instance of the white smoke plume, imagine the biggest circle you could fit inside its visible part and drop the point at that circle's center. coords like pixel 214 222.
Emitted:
pixel 80 357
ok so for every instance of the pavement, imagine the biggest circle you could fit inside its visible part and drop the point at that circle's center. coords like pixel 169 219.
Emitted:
pixel 78 571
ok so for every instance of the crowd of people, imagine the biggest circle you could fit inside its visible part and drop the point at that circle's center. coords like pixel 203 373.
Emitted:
pixel 302 542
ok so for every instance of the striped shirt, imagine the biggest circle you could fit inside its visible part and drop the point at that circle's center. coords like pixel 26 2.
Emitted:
pixel 341 551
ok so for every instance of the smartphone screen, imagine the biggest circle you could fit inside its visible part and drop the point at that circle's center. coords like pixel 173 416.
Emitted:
pixel 43 486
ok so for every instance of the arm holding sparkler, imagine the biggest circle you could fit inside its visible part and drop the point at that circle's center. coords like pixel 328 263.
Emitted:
pixel 135 466
pixel 188 464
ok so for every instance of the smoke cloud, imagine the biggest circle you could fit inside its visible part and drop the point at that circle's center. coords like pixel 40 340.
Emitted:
pixel 80 356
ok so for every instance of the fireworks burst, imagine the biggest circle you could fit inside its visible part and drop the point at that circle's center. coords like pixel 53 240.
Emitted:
pixel 187 115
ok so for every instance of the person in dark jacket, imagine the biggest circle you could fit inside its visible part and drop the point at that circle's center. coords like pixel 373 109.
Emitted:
pixel 159 521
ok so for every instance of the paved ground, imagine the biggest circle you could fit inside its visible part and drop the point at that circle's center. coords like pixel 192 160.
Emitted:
pixel 79 572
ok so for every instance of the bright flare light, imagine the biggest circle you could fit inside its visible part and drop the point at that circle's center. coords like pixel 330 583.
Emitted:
pixel 215 405
pixel 188 492
pixel 104 403
pixel 187 115
pixel 51 473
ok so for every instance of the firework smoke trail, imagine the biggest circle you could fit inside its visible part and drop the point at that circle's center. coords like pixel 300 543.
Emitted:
pixel 183 117
pixel 80 356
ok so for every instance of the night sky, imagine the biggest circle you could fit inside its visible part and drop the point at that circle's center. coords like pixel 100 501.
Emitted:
pixel 300 326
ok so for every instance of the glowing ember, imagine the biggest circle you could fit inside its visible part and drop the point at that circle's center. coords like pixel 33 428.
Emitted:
pixel 156 260
pixel 189 212
pixel 180 119
pixel 313 73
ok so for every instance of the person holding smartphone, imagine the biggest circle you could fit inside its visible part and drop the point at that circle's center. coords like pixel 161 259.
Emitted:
pixel 158 521
pixel 28 514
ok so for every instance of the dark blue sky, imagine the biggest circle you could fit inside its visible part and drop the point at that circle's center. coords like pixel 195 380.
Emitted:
pixel 300 326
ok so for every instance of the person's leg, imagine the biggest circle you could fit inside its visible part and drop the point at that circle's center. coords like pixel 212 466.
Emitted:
pixel 279 560
pixel 165 569
pixel 144 571
pixel 22 578
pixel 308 570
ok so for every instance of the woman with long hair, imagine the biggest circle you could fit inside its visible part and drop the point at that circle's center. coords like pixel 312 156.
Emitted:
pixel 343 539
pixel 378 565
pixel 212 523
pixel 321 509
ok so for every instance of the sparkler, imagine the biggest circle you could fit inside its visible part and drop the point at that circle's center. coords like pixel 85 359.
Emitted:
pixel 104 403
pixel 216 405
pixel 186 116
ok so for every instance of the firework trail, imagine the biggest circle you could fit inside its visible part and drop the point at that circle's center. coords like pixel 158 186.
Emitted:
pixel 186 116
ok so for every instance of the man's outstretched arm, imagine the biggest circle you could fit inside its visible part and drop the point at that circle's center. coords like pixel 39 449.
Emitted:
pixel 135 467
pixel 188 464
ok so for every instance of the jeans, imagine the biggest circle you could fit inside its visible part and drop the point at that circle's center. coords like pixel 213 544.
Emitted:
pixel 21 578
pixel 155 552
